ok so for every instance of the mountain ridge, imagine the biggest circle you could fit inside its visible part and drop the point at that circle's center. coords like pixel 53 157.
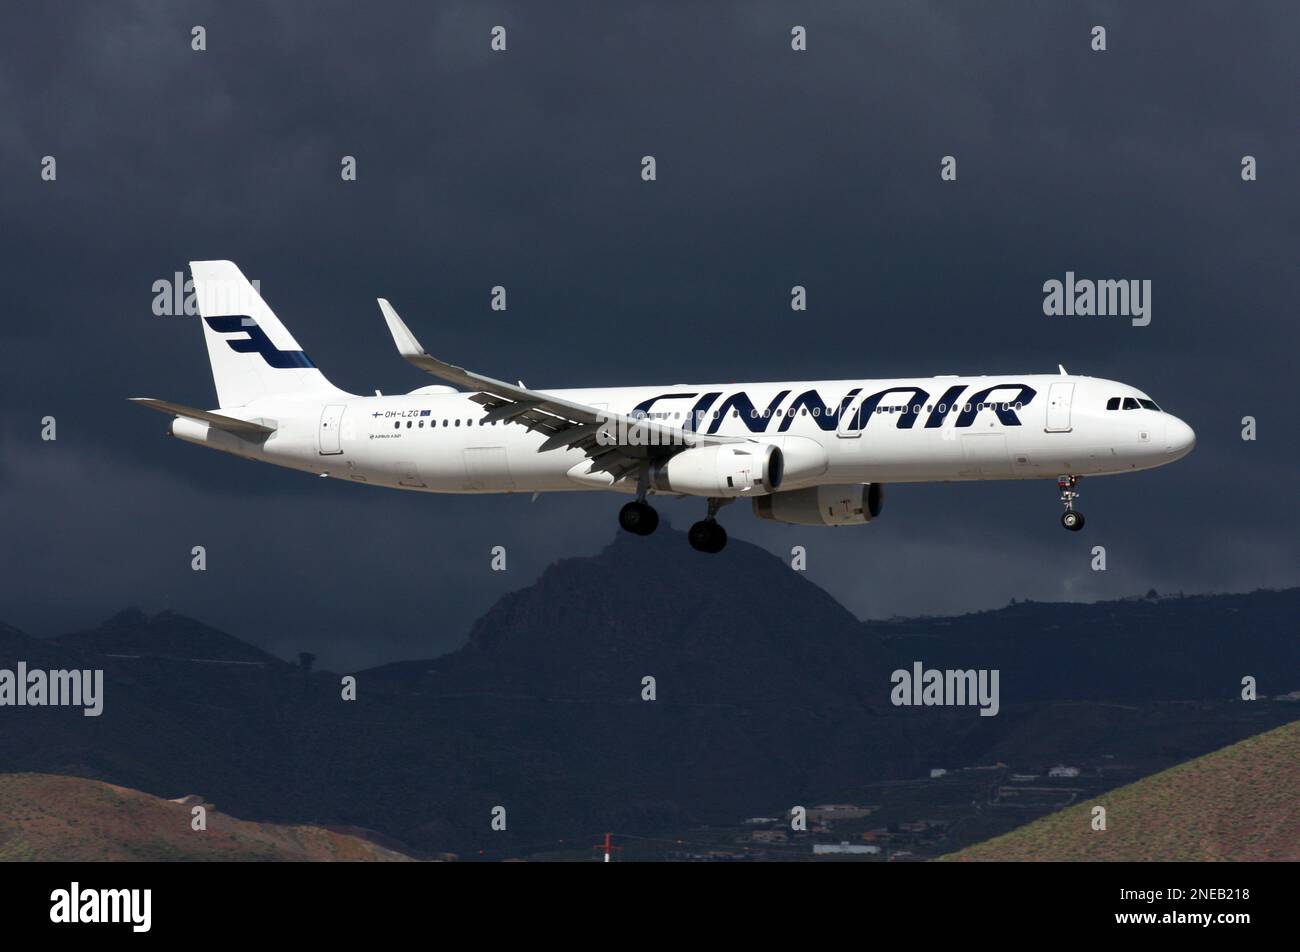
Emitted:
pixel 765 692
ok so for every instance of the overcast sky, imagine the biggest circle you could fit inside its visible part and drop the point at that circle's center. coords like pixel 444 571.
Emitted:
pixel 522 169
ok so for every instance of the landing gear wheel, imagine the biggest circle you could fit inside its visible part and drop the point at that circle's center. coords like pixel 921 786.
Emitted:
pixel 1072 519
pixel 707 536
pixel 638 518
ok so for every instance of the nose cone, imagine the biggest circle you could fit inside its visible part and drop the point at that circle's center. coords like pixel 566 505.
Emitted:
pixel 1179 438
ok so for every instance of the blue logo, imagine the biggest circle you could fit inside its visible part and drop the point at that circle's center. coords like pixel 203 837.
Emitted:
pixel 829 416
pixel 256 342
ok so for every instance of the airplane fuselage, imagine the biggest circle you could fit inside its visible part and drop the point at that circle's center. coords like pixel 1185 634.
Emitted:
pixel 918 429
pixel 808 453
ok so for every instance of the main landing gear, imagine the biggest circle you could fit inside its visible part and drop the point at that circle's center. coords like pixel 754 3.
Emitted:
pixel 639 518
pixel 1072 519
pixel 707 535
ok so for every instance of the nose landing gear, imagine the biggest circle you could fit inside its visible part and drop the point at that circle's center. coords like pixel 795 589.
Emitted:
pixel 1072 519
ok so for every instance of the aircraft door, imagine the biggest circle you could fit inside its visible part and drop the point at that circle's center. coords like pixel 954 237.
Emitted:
pixel 331 429
pixel 845 429
pixel 1059 397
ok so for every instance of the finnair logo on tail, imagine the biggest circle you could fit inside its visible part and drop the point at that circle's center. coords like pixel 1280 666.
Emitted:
pixel 256 341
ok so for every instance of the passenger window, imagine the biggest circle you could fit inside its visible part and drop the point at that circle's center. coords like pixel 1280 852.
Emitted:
pixel 397 424
pixel 1131 404
pixel 458 422
pixel 408 424
pixel 1112 403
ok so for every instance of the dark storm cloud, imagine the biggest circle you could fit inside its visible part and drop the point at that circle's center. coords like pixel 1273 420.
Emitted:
pixel 521 169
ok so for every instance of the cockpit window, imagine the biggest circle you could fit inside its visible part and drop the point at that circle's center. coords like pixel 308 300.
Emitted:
pixel 1132 403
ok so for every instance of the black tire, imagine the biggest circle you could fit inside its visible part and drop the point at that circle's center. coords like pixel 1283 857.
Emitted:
pixel 651 521
pixel 1072 520
pixel 707 536
pixel 638 518
pixel 698 536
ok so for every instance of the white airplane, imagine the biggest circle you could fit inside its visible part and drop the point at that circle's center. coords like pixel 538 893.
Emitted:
pixel 805 452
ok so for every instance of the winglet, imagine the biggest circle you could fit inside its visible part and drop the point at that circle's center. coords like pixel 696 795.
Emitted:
pixel 1061 368
pixel 406 343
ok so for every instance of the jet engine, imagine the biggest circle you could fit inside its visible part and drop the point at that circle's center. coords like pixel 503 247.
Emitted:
pixel 853 504
pixel 732 469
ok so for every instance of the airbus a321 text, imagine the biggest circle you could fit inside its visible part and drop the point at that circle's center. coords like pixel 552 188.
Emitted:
pixel 803 452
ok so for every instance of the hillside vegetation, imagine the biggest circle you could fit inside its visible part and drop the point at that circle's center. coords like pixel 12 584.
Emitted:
pixel 1238 803
pixel 51 818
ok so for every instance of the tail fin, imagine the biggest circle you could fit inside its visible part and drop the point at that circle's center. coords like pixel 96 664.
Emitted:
pixel 251 352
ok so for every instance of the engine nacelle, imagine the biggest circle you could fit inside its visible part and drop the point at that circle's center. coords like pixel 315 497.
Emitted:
pixel 732 469
pixel 853 504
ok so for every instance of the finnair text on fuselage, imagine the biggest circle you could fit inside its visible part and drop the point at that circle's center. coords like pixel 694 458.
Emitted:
pixel 711 409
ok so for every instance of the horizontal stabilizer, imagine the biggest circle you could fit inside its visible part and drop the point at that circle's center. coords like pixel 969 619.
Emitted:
pixel 240 428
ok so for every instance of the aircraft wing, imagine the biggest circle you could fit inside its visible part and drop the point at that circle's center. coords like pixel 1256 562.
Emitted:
pixel 616 443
